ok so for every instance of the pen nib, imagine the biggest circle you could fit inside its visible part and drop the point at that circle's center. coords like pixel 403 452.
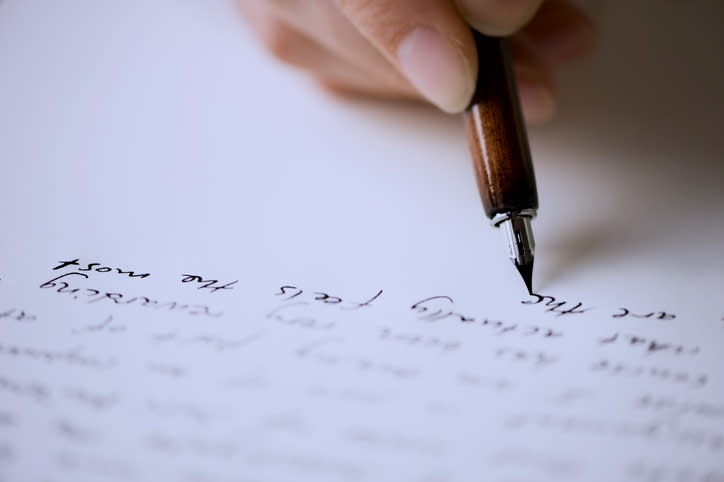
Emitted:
pixel 526 272
pixel 521 246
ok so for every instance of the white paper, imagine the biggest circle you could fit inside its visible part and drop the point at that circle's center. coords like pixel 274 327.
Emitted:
pixel 211 271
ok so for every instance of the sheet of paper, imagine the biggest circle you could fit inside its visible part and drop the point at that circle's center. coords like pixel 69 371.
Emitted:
pixel 211 271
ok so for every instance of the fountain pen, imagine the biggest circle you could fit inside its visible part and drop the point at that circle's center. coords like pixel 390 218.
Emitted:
pixel 501 156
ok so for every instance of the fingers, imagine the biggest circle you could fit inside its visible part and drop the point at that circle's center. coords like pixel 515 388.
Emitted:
pixel 553 32
pixel 562 32
pixel 334 72
pixel 536 81
pixel 498 17
pixel 558 34
pixel 323 21
pixel 427 40
pixel 292 47
pixel 413 49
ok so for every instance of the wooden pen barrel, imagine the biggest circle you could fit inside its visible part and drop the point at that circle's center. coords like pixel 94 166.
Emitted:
pixel 496 134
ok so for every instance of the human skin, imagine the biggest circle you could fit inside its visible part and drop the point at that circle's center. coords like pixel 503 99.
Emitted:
pixel 423 49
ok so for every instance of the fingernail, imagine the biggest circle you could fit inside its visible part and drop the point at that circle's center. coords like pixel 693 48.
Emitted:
pixel 437 68
pixel 537 102
pixel 497 17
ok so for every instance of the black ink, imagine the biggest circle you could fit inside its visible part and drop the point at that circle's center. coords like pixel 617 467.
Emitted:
pixel 222 344
pixel 104 326
pixel 292 292
pixel 556 307
pixel 64 264
pixel 430 312
pixel 664 374
pixel 17 315
pixel 677 407
pixel 210 284
pixel 656 315
pixel 283 291
pixel 94 296
pixel 93 400
pixel 646 430
pixel 650 345
pixel 515 354
pixel 114 297
pixel 102 269
pixel 286 316
pixel 327 299
pixel 422 341
pixel 71 356
pixel 52 284
pixel 32 390
pixel 366 303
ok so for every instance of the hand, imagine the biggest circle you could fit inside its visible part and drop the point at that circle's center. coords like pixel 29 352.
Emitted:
pixel 422 49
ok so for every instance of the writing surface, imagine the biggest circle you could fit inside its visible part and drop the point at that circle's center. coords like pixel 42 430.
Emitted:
pixel 204 282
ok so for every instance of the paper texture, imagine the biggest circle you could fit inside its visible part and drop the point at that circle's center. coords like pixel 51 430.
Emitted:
pixel 211 271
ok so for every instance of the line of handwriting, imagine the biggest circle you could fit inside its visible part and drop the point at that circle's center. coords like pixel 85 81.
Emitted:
pixel 105 326
pixel 535 358
pixel 288 292
pixel 651 430
pixel 318 351
pixel 252 458
pixel 437 308
pixel 657 373
pixel 556 307
pixel 40 392
pixel 72 356
pixel 210 284
pixel 422 341
pixel 91 295
pixel 215 342
pixel 645 472
pixel 99 268
pixel 291 314
pixel 33 390
pixel 670 405
pixel 16 314
pixel 656 315
pixel 648 344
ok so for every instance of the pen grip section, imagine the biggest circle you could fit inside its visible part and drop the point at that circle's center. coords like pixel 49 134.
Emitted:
pixel 496 134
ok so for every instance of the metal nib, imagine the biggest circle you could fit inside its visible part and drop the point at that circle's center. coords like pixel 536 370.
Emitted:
pixel 526 272
pixel 521 245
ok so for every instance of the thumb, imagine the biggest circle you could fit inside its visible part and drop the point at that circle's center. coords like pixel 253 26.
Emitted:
pixel 427 40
